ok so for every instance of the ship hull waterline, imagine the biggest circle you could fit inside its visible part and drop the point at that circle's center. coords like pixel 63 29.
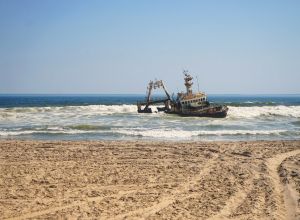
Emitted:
pixel 221 114
pixel 213 114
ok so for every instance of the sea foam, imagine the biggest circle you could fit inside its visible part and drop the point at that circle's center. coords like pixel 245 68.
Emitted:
pixel 247 112
pixel 255 111
pixel 183 134
pixel 123 121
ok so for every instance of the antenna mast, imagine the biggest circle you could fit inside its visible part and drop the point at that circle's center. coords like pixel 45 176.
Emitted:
pixel 198 83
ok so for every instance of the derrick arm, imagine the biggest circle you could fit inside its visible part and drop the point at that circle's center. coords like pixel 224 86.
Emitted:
pixel 150 87
pixel 164 88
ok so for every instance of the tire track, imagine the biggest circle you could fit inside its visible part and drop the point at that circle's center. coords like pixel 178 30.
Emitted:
pixel 165 202
pixel 284 211
pixel 73 204
pixel 236 200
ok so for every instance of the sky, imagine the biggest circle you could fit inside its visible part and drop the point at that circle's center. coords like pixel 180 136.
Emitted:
pixel 116 47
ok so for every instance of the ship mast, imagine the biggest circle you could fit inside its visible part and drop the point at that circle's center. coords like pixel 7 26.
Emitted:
pixel 149 90
pixel 188 82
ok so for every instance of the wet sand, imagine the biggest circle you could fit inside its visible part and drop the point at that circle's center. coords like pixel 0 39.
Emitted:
pixel 149 180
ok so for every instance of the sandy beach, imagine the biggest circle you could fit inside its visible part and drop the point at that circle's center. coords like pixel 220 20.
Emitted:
pixel 149 180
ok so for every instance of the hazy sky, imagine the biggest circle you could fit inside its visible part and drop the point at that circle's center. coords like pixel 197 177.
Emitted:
pixel 59 46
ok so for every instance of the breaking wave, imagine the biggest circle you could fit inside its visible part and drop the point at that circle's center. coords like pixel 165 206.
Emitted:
pixel 105 109
pixel 65 111
pixel 252 112
pixel 154 133
pixel 235 112
pixel 181 134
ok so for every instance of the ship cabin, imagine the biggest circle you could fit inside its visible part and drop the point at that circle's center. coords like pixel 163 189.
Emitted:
pixel 190 100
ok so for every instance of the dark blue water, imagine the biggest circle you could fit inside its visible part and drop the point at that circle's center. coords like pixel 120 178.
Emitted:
pixel 8 101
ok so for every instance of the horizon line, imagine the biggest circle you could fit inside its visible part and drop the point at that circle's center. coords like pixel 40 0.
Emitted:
pixel 139 94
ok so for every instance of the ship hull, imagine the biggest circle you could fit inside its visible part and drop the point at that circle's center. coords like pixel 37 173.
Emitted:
pixel 222 114
pixel 209 112
pixel 146 110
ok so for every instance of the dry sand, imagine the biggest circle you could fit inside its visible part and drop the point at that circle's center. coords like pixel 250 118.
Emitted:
pixel 149 180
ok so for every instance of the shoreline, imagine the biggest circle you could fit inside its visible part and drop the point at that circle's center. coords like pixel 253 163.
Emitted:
pixel 133 140
pixel 149 179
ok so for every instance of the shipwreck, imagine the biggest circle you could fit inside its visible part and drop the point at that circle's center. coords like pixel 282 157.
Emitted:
pixel 185 104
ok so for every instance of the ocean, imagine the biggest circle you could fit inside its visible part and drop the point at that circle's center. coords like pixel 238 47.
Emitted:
pixel 115 117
